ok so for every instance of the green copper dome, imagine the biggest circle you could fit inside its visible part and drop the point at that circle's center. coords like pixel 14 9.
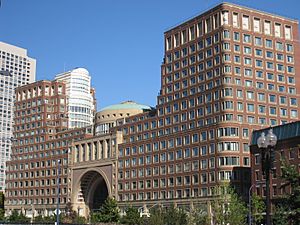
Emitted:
pixel 127 105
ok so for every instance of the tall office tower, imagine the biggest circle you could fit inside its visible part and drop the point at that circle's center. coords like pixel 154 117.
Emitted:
pixel 225 72
pixel 41 141
pixel 16 69
pixel 81 99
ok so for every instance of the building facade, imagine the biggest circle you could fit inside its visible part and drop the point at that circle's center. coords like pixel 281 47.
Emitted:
pixel 287 149
pixel 94 160
pixel 81 97
pixel 16 69
pixel 225 73
pixel 41 141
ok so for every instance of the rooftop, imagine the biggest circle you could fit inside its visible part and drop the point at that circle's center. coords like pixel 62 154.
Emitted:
pixel 127 105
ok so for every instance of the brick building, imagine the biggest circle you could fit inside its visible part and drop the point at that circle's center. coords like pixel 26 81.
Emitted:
pixel 225 72
pixel 41 138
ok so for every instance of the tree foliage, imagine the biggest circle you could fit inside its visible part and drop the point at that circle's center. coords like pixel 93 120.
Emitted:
pixel 258 207
pixel 108 212
pixel 132 217
pixel 198 216
pixel 175 216
pixel 288 207
pixel 18 217
pixel 228 207
pixel 167 216
pixel 156 217
pixel 71 216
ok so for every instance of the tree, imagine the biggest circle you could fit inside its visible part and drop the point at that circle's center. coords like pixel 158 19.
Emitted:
pixel 18 217
pixel 175 216
pixel 109 212
pixel 71 216
pixel 198 216
pixel 228 207
pixel 288 206
pixel 258 207
pixel 156 217
pixel 132 217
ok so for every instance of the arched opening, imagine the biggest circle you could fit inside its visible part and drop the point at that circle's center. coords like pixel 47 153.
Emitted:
pixel 94 190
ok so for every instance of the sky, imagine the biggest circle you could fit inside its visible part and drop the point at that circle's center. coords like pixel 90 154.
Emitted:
pixel 120 42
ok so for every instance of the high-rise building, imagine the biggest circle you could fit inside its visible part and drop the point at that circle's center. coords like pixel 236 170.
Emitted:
pixel 16 69
pixel 225 73
pixel 81 99
pixel 41 141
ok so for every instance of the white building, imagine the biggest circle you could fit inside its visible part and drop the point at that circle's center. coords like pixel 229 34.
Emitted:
pixel 16 69
pixel 81 102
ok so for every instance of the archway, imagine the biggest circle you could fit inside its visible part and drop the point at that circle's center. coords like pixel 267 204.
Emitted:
pixel 92 191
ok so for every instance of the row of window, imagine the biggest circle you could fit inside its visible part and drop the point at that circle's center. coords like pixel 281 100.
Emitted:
pixel 237 20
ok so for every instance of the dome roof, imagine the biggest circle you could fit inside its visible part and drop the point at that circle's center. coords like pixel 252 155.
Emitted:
pixel 81 71
pixel 127 105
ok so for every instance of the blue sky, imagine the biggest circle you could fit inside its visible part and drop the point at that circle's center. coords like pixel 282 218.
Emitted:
pixel 120 42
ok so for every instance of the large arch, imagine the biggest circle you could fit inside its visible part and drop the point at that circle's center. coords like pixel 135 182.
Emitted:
pixel 90 192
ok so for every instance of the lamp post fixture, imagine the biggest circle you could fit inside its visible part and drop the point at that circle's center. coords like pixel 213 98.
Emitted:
pixel 58 184
pixel 267 144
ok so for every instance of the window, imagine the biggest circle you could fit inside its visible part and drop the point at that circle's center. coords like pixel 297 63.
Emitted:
pixel 294 113
pixel 247 61
pixel 237 48
pixel 258 52
pixel 287 32
pixel 262 109
pixel 277 30
pixel 256 24
pixel 235 19
pixel 237 59
pixel 236 36
pixel 258 63
pixel 290 59
pixel 272 110
pixel 258 41
pixel 270 65
pixel 259 74
pixel 247 38
pixel 293 101
pixel 245 22
pixel 226 34
pixel 279 46
pixel 267 27
pixel 280 78
pixel 269 54
pixel 260 85
pixel 250 107
pixel 289 48
pixel 247 50
pixel 269 43
pixel 261 97
pixel 272 98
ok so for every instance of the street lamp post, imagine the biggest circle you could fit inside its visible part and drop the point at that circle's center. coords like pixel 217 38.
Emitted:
pixel 267 144
pixel 250 214
pixel 58 184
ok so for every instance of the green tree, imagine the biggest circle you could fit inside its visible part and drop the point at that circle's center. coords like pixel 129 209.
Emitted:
pixel 288 207
pixel 132 217
pixel 228 207
pixel 198 216
pixel 71 216
pixel 175 216
pixel 258 207
pixel 156 217
pixel 44 219
pixel 18 217
pixel 109 212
